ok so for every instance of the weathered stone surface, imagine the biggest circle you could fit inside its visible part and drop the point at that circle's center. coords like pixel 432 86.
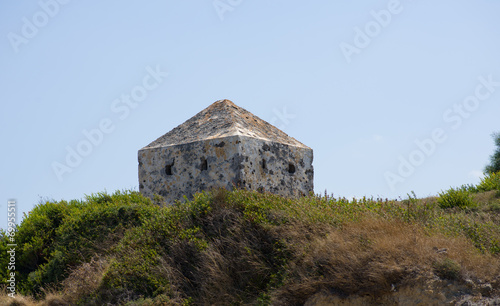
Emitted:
pixel 225 146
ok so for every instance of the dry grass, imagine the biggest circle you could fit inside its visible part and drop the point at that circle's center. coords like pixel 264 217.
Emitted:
pixel 51 299
pixel 18 300
pixel 84 280
pixel 486 197
pixel 375 257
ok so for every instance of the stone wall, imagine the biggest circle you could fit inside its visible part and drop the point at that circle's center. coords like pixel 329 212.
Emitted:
pixel 228 162
pixel 275 167
pixel 185 169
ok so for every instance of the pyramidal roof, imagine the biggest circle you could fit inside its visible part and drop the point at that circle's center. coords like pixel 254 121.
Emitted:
pixel 222 119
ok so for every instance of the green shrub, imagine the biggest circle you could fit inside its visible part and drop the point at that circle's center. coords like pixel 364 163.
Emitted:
pixel 447 269
pixel 36 237
pixel 56 236
pixel 494 165
pixel 456 198
pixel 489 182
pixel 470 188
pixel 4 256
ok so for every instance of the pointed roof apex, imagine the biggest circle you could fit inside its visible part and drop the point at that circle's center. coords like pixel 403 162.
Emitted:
pixel 223 118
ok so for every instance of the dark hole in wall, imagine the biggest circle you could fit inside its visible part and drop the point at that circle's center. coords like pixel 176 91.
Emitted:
pixel 168 169
pixel 263 164
pixel 204 164
pixel 291 168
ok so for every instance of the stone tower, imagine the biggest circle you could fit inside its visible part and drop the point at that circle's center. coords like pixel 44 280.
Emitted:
pixel 225 146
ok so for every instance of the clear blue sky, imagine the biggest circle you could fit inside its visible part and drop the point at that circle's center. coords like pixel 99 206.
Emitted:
pixel 360 82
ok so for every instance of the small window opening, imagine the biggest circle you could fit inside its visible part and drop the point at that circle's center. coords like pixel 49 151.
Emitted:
pixel 291 168
pixel 263 164
pixel 168 169
pixel 204 164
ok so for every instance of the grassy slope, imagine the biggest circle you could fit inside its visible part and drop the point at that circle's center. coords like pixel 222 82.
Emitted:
pixel 249 248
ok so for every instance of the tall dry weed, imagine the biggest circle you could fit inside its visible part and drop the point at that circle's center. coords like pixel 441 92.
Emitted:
pixel 84 280
pixel 374 257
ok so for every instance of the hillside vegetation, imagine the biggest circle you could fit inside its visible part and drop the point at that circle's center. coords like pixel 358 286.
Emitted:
pixel 242 247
